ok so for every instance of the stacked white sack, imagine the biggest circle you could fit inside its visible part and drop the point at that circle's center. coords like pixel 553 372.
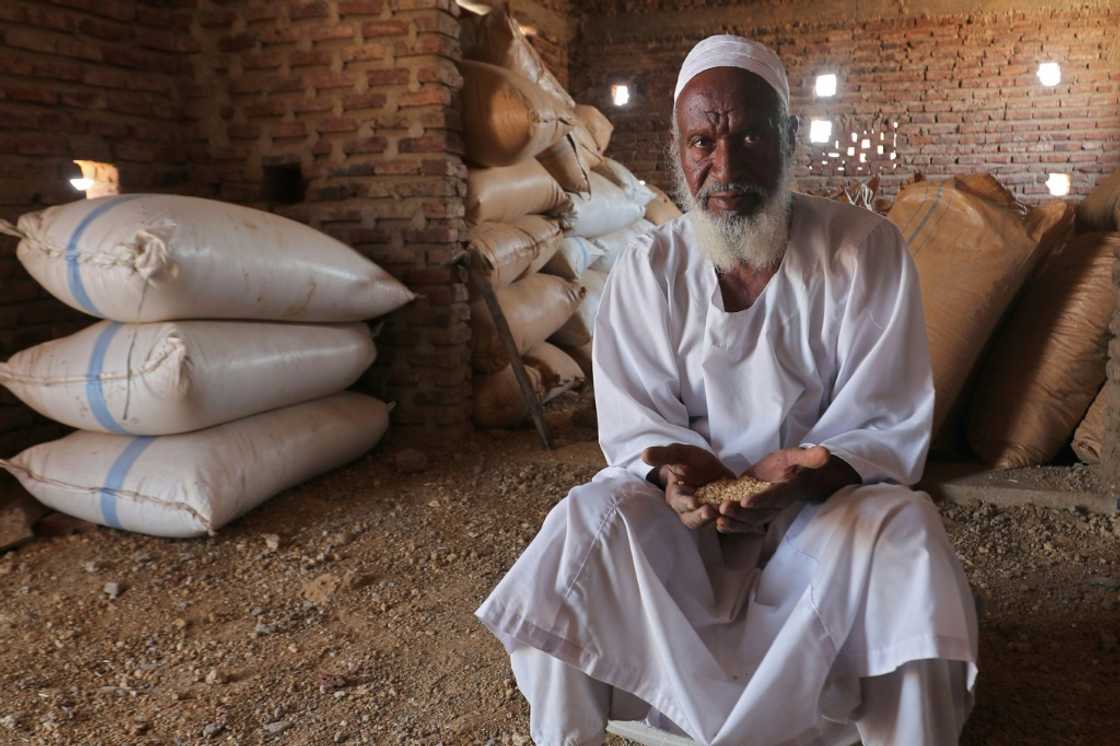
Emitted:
pixel 193 484
pixel 176 376
pixel 163 260
pixel 159 257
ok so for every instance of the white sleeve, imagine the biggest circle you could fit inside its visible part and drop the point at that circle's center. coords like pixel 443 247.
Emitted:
pixel 879 417
pixel 634 355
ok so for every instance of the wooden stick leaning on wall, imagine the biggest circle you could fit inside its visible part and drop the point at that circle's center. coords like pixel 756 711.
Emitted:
pixel 536 411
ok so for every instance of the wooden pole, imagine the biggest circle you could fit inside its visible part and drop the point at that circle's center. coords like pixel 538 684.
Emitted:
pixel 536 411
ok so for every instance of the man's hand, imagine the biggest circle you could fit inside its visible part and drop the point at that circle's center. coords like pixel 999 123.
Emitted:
pixel 798 474
pixel 680 469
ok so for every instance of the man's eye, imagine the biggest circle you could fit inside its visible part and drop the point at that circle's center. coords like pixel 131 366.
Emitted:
pixel 751 138
pixel 701 142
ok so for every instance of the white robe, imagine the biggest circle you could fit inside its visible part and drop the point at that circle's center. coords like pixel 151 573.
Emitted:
pixel 752 640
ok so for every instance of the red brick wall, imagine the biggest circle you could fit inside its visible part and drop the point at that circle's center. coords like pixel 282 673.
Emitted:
pixel 89 79
pixel 962 86
pixel 361 95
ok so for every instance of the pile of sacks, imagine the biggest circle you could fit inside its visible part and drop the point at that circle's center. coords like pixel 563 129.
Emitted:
pixel 549 216
pixel 187 422
pixel 1017 308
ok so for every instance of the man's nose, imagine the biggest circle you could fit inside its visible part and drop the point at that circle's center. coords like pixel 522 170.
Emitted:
pixel 726 163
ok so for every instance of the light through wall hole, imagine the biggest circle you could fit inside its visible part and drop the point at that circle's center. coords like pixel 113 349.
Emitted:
pixel 1049 73
pixel 825 85
pixel 620 94
pixel 820 130
pixel 96 179
pixel 1058 184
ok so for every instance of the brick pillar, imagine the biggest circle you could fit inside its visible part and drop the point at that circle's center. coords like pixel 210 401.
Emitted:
pixel 360 97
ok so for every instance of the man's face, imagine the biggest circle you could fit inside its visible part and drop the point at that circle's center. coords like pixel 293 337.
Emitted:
pixel 731 141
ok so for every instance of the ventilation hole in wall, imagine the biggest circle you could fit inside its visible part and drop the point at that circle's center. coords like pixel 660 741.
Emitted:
pixel 94 179
pixel 857 149
pixel 283 184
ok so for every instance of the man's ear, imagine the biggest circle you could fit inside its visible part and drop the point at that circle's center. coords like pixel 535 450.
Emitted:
pixel 794 127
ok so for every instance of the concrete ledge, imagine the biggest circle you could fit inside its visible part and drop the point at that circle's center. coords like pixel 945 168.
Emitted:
pixel 967 483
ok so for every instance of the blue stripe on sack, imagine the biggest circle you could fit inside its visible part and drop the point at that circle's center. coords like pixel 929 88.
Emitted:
pixel 95 395
pixel 925 219
pixel 73 268
pixel 118 472
pixel 584 256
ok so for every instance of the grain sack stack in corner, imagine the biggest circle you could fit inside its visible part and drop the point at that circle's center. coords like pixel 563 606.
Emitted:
pixel 549 214
pixel 186 424
pixel 969 222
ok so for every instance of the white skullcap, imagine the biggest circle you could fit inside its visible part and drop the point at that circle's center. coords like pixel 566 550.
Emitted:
pixel 726 50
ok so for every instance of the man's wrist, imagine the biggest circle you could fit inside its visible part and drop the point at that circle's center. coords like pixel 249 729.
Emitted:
pixel 822 483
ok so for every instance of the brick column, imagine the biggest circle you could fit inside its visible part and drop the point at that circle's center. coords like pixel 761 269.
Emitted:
pixel 360 97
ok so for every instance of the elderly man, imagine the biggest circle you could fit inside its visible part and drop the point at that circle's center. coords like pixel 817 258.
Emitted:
pixel 778 335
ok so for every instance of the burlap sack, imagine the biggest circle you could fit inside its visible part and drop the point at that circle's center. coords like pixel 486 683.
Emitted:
pixel 534 307
pixel 1100 211
pixel 506 118
pixel 1047 361
pixel 634 188
pixel 499 401
pixel 570 161
pixel 578 330
pixel 582 356
pixel 502 195
pixel 662 209
pixel 1088 441
pixel 498 40
pixel 597 124
pixel 559 372
pixel 973 251
pixel 613 244
pixel 504 252
pixel 605 210
pixel 573 258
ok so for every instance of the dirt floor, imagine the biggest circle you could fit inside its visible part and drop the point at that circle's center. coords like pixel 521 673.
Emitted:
pixel 341 612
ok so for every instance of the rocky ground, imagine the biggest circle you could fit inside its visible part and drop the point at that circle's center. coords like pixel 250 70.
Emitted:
pixel 341 612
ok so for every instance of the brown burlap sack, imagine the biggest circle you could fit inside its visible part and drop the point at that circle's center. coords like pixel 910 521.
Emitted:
pixel 1047 360
pixel 597 124
pixel 973 250
pixel 570 161
pixel 1100 211
pixel 506 118
pixel 499 401
pixel 559 372
pixel 1088 440
pixel 502 195
pixel 503 252
pixel 581 326
pixel 662 209
pixel 498 40
pixel 582 356
pixel 534 307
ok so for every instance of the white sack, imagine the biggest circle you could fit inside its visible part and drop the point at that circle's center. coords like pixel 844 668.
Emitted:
pixel 175 376
pixel 156 257
pixel 573 258
pixel 580 328
pixel 605 210
pixel 634 188
pixel 192 484
pixel 613 244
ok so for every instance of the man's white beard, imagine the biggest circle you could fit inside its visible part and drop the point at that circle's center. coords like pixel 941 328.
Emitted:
pixel 758 241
